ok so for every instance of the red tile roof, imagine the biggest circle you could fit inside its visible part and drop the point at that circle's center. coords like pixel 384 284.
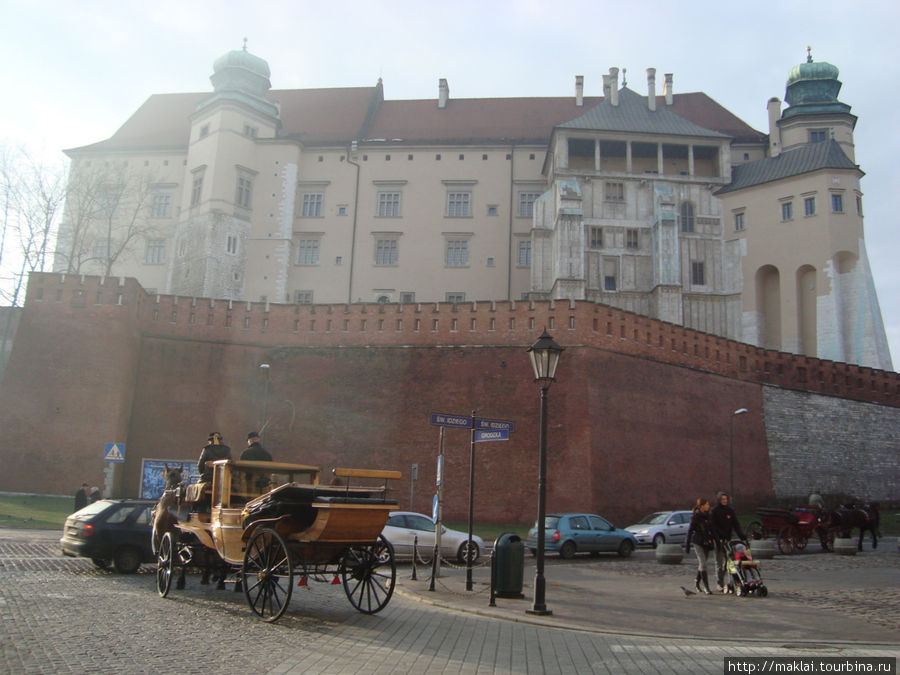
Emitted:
pixel 338 115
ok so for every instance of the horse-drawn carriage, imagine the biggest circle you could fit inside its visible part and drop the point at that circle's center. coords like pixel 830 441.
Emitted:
pixel 261 524
pixel 793 528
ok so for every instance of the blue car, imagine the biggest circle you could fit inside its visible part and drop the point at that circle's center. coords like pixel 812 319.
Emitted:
pixel 571 533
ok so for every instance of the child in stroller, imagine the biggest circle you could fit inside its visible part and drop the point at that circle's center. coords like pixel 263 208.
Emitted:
pixel 744 571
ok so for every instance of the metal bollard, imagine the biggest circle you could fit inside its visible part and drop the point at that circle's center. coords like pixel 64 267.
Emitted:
pixel 492 603
pixel 415 556
pixel 434 567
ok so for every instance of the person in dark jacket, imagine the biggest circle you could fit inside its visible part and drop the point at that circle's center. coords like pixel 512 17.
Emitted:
pixel 255 451
pixel 95 495
pixel 700 535
pixel 81 497
pixel 724 526
pixel 212 451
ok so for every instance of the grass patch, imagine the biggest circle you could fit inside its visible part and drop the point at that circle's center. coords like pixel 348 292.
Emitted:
pixel 38 512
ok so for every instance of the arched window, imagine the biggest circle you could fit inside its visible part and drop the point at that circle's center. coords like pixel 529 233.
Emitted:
pixel 687 217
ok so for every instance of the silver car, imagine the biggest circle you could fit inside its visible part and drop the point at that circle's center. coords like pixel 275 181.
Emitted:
pixel 662 527
pixel 405 527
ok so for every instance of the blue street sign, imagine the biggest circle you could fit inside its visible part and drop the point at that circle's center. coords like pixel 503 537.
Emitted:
pixel 458 421
pixel 434 509
pixel 114 452
pixel 482 436
pixel 494 425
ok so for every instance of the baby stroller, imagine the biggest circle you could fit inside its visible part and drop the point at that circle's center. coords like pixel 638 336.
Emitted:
pixel 744 571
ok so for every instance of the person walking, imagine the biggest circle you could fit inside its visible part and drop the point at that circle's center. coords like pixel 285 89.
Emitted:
pixel 81 497
pixel 255 451
pixel 700 535
pixel 724 526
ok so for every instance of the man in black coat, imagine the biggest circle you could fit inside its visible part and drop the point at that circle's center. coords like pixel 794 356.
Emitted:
pixel 213 450
pixel 724 526
pixel 255 451
pixel 81 497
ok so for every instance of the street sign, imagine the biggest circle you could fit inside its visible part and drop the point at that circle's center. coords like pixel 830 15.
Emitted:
pixel 482 436
pixel 114 452
pixel 494 425
pixel 439 475
pixel 434 509
pixel 444 420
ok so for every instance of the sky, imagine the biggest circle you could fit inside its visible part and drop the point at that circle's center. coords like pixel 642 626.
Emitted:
pixel 75 72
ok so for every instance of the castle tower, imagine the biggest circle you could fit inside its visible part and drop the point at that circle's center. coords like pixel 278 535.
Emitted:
pixel 798 215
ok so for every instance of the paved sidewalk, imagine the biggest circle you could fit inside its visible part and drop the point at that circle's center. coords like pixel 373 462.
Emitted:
pixel 813 597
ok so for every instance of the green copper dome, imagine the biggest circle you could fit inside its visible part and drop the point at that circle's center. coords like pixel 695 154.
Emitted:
pixel 813 83
pixel 239 70
pixel 812 70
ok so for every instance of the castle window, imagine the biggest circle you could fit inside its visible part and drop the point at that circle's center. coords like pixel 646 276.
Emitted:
pixel 837 202
pixel 492 210
pixel 231 244
pixel 161 206
pixel 303 297
pixel 859 205
pixel 632 238
pixel 457 253
pixel 596 237
pixel 407 297
pixel 312 205
pixel 739 221
pixel 455 297
pixel 526 204
pixel 614 192
pixel 525 253
pixel 687 217
pixel 698 274
pixel 243 191
pixel 386 251
pixel 156 252
pixel 809 206
pixel 388 204
pixel 459 204
pixel 308 252
pixel 249 131
pixel 196 189
pixel 817 135
pixel 609 283
pixel 787 210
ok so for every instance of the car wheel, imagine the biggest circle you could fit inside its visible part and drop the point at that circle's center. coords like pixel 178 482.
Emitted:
pixel 567 550
pixel 462 554
pixel 625 548
pixel 100 563
pixel 126 560
pixel 660 538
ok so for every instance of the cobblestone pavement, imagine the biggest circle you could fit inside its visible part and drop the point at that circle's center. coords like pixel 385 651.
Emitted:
pixel 62 615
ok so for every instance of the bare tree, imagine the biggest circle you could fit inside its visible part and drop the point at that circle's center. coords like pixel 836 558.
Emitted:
pixel 107 211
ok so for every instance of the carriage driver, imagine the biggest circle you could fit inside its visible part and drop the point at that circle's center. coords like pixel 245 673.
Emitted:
pixel 213 450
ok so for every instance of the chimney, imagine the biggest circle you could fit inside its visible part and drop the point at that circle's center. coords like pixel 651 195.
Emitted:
pixel 651 89
pixel 667 88
pixel 443 93
pixel 774 109
pixel 606 87
pixel 579 90
pixel 614 86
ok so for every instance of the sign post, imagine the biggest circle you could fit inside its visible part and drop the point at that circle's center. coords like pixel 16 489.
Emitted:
pixel 413 477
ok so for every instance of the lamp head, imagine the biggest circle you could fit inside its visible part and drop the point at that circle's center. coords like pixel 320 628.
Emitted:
pixel 544 356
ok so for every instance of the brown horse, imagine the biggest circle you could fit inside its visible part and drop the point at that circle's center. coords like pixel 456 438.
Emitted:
pixel 163 514
pixel 863 516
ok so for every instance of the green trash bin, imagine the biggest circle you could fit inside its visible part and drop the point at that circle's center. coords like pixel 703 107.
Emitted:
pixel 509 565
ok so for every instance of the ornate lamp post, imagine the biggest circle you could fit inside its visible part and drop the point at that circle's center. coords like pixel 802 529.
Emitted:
pixel 739 411
pixel 262 432
pixel 544 356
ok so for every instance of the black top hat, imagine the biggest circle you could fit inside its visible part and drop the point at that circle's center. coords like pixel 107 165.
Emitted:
pixel 252 434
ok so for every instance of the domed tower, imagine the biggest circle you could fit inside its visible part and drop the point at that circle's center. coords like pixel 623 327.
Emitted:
pixel 814 113
pixel 222 196
pixel 798 216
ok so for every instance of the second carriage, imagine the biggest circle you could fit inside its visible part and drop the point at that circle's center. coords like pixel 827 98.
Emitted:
pixel 266 524
pixel 793 528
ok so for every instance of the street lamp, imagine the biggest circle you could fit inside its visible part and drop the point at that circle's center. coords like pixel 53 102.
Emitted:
pixel 739 411
pixel 544 356
pixel 262 432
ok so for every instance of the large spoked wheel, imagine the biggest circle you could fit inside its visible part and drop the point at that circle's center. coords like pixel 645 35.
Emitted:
pixel 369 573
pixel 755 531
pixel 786 538
pixel 165 564
pixel 267 574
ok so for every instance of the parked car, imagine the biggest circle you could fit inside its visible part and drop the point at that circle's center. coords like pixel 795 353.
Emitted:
pixel 662 527
pixel 404 526
pixel 571 533
pixel 111 531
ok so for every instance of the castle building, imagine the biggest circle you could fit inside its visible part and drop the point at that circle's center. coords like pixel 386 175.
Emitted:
pixel 666 205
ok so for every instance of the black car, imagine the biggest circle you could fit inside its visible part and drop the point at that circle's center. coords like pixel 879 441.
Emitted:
pixel 111 531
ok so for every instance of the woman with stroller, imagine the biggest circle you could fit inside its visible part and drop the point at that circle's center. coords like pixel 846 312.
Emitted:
pixel 700 535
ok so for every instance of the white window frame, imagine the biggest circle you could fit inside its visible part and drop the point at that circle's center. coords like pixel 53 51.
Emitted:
pixel 303 297
pixel 459 204
pixel 739 222
pixel 527 199
pixel 161 204
pixel 311 204
pixel 456 252
pixel 614 192
pixel 632 238
pixel 231 244
pixel 155 253
pixel 388 203
pixel 387 251
pixel 308 251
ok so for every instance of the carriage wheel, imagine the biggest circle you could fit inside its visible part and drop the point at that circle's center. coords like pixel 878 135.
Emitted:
pixel 267 574
pixel 755 530
pixel 786 538
pixel 165 564
pixel 800 542
pixel 368 573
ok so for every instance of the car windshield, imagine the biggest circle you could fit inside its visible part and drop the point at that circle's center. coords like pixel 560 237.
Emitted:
pixel 654 518
pixel 93 509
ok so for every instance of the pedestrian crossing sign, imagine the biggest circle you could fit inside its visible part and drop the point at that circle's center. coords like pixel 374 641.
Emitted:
pixel 115 452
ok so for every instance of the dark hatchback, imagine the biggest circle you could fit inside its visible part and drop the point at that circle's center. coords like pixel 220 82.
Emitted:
pixel 111 531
